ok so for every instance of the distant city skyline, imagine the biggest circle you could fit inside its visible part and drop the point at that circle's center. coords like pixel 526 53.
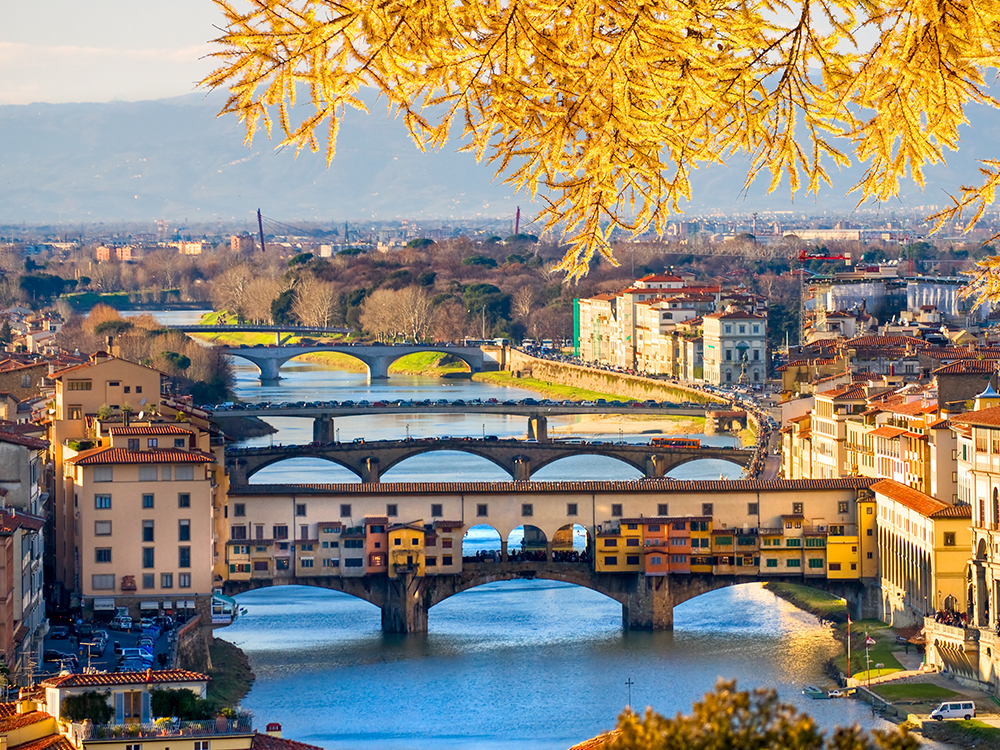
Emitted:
pixel 61 51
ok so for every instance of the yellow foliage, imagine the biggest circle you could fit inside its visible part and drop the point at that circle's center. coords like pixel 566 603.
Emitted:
pixel 603 109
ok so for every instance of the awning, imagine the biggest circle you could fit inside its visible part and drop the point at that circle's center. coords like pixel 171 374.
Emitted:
pixel 149 605
pixel 104 604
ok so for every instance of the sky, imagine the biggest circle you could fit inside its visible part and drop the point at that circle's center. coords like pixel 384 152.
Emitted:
pixel 102 50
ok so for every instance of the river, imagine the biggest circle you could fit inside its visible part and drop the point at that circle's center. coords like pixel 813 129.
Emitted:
pixel 533 665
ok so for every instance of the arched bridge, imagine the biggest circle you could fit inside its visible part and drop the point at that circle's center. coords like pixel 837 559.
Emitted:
pixel 647 602
pixel 377 358
pixel 520 459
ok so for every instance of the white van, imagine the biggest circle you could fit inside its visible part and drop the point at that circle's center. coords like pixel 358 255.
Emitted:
pixel 953 710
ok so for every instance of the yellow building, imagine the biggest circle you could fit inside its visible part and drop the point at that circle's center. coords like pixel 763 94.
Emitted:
pixel 924 545
pixel 619 549
pixel 406 549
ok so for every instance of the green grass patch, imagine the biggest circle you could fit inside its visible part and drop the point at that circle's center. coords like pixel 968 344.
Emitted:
pixel 820 603
pixel 231 675
pixel 961 733
pixel 880 653
pixel 914 691
pixel 427 363
pixel 549 390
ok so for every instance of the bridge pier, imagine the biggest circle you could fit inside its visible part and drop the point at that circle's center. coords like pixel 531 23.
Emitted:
pixel 538 428
pixel 656 466
pixel 323 429
pixel 370 473
pixel 378 367
pixel 270 369
pixel 404 608
pixel 650 605
pixel 521 470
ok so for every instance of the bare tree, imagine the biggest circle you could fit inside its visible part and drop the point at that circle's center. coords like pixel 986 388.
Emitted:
pixel 380 315
pixel 522 302
pixel 314 301
pixel 413 306
pixel 230 290
pixel 450 322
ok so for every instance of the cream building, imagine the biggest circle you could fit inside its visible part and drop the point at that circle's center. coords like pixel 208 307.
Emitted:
pixel 735 347
pixel 924 547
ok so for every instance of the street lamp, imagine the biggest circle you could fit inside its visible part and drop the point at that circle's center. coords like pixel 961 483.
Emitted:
pixel 338 434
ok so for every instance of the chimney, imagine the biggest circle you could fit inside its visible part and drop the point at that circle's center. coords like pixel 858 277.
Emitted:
pixel 273 729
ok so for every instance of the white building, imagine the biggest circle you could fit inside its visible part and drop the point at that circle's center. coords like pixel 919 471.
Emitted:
pixel 735 347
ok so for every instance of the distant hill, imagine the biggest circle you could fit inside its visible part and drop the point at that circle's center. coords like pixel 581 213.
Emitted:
pixel 174 159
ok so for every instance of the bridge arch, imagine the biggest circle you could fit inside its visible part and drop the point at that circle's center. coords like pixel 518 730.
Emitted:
pixel 471 449
pixel 279 459
pixel 539 464
pixel 486 539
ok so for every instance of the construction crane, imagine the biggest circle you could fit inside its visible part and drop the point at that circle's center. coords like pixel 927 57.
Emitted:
pixel 806 256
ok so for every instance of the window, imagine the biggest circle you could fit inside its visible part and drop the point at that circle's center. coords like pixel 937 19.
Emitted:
pixel 354 543
pixel 571 509
pixel 949 539
pixel 184 530
pixel 75 412
pixel 184 580
pixel 307 562
pixel 610 542
pixel 391 510
pixel 103 582
pixel 753 509
pixel 610 560
pixel 662 509
pixel 153 442
pixel 632 560
pixel 279 532
pixel 102 502
pixel 793 562
pixel 655 560
pixel 771 563
pixel 842 506
pixel 201 745
pixel 815 562
pixel 632 542
pixel 147 531
pixel 147 474
pixel 527 509
pixel 815 541
pixel 653 527
pixel 446 560
pixel 166 580
pixel 707 509
pixel 102 555
pixel 148 557
pixel 300 509
pixel 345 510
pixel 133 444
pixel 104 473
pixel 431 561
pixel 239 509
pixel 616 510
pixel 793 542
pixel 184 500
pixel 354 562
pixel 149 580
pixel 397 541
pixel 482 509
pixel 147 500
pixel 238 532
pixel 724 541
pixel 102 528
pixel 181 473
pixel 797 508
pixel 869 555
pixel 79 385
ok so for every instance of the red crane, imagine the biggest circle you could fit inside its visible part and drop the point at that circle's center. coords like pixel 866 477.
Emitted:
pixel 804 256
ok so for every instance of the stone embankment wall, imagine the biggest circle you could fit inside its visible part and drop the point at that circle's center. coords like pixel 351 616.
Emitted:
pixel 192 645
pixel 615 383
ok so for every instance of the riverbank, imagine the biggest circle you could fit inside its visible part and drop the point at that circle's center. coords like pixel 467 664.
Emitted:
pixel 241 428
pixel 555 391
pixel 231 675
pixel 633 424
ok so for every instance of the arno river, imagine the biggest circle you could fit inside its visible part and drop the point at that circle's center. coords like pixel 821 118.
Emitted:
pixel 513 666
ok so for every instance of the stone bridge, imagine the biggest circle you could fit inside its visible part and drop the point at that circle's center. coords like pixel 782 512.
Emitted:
pixel 368 460
pixel 377 358
pixel 647 601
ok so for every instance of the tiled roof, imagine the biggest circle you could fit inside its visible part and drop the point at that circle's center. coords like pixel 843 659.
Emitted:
pixel 50 742
pixel 984 417
pixel 872 342
pixel 659 486
pixel 854 391
pixel 149 677
pixel 955 511
pixel 913 408
pixel 376 520
pixel 10 520
pixel 267 742
pixel 150 429
pixel 8 709
pixel 18 721
pixel 125 456
pixel 27 442
pixel 967 366
pixel 911 498
pixel 736 315
pixel 887 431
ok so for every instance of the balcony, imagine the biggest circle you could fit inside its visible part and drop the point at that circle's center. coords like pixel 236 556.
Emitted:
pixel 949 636
pixel 79 733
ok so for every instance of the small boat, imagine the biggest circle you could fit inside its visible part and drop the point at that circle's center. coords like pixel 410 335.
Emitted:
pixel 811 691
pixel 839 693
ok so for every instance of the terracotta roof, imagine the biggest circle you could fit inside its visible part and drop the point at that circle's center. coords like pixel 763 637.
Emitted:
pixel 124 456
pixel 851 392
pixel 916 500
pixel 872 342
pixel 376 520
pixel 8 709
pixel 267 742
pixel 149 429
pixel 10 520
pixel 984 417
pixel 17 721
pixel 736 315
pixel 659 486
pixel 50 742
pixel 27 442
pixel 955 511
pixel 150 676
pixel 654 277
pixel 967 366
pixel 887 431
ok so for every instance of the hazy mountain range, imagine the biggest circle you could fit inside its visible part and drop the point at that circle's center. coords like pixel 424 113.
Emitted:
pixel 174 159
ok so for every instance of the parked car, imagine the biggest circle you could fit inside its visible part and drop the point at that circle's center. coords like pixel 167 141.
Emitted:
pixel 121 623
pixel 59 632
